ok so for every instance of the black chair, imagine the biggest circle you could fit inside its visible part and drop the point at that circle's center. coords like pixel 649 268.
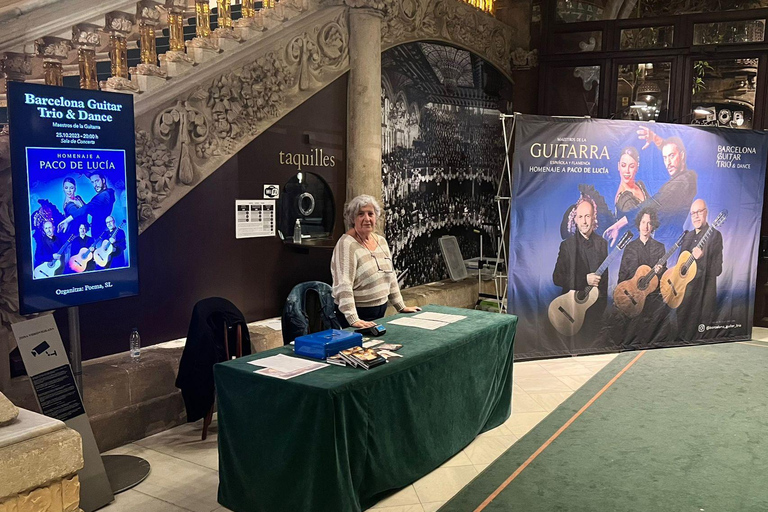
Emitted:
pixel 216 331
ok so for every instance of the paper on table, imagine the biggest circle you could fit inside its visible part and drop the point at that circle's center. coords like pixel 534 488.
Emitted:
pixel 271 372
pixel 284 363
pixel 274 324
pixel 421 324
pixel 439 317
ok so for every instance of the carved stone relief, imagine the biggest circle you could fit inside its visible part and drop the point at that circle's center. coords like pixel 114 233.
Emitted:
pixel 185 142
pixel 451 21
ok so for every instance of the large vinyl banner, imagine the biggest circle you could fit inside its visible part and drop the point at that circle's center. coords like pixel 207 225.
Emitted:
pixel 628 235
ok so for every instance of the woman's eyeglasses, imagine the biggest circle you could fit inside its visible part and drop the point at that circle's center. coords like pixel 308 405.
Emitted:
pixel 379 266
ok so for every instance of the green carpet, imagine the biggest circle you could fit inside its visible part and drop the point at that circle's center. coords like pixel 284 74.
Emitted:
pixel 683 429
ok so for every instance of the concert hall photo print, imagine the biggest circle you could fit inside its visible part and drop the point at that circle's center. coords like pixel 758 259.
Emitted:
pixel 628 235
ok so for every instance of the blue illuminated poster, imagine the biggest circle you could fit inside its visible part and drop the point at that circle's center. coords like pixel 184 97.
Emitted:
pixel 73 162
pixel 628 235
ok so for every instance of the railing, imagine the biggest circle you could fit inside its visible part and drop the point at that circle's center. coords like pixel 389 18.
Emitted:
pixel 137 52
pixel 488 6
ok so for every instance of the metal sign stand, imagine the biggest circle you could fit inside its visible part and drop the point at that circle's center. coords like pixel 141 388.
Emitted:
pixel 123 471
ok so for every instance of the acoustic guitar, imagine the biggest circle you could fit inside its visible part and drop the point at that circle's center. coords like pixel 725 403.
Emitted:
pixel 103 255
pixel 79 261
pixel 676 279
pixel 567 312
pixel 53 267
pixel 629 296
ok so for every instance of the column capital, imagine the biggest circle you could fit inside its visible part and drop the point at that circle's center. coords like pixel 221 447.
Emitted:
pixel 147 12
pixel 17 66
pixel 53 48
pixel 119 23
pixel 86 35
pixel 176 6
pixel 378 8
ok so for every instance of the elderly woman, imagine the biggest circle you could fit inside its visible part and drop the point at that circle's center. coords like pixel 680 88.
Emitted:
pixel 363 276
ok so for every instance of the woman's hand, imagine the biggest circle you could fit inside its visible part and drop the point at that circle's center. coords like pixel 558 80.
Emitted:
pixel 613 232
pixel 363 324
pixel 410 309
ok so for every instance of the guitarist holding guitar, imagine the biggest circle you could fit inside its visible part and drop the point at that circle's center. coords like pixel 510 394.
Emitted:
pixel 639 326
pixel 700 303
pixel 579 257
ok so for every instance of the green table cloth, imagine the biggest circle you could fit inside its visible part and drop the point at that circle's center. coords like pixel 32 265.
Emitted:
pixel 339 439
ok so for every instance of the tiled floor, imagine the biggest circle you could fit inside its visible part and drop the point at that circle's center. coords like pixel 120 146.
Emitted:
pixel 184 473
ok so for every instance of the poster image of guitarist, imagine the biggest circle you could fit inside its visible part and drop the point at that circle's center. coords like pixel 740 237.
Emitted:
pixel 99 207
pixel 699 306
pixel 116 258
pixel 580 255
pixel 82 240
pixel 651 324
pixel 672 199
pixel 47 245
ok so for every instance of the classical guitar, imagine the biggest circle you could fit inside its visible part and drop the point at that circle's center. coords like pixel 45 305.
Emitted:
pixel 79 261
pixel 629 296
pixel 676 279
pixel 103 255
pixel 567 312
pixel 53 267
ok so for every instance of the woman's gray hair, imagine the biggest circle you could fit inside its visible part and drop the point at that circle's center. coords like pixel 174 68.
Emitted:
pixel 352 208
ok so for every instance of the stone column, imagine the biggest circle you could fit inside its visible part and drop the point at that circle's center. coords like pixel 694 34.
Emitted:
pixel 364 103
pixel 85 37
pixel 54 51
pixel 120 26
pixel 148 75
pixel 175 61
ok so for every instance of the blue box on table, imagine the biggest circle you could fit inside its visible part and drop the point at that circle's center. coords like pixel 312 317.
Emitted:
pixel 324 344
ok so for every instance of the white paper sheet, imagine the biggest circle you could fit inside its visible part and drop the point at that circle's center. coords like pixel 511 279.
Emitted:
pixel 415 322
pixel 439 317
pixel 271 372
pixel 285 363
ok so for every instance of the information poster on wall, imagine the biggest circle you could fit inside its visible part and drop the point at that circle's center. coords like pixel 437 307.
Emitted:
pixel 254 218
pixel 627 235
pixel 74 175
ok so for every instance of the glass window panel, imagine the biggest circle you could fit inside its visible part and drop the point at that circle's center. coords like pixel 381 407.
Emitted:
pixel 729 32
pixel 724 92
pixel 570 11
pixel 642 92
pixel 647 37
pixel 574 91
pixel 575 42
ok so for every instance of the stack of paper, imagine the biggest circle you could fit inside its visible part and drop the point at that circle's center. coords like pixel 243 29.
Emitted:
pixel 284 367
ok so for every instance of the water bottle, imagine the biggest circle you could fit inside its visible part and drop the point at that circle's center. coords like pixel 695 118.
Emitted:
pixel 297 232
pixel 135 345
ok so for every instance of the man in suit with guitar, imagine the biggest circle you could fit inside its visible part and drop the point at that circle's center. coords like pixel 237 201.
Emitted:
pixel 699 307
pixel 641 330
pixel 117 239
pixel 48 245
pixel 579 257
pixel 82 240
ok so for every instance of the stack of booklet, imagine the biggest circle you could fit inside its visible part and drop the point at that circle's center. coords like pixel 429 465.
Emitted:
pixel 365 358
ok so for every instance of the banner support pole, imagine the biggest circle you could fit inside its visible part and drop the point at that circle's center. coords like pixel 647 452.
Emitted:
pixel 75 354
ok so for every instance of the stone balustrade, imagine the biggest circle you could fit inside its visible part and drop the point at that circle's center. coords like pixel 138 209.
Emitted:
pixel 40 458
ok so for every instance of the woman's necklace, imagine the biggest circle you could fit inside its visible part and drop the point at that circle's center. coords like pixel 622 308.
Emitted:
pixel 365 242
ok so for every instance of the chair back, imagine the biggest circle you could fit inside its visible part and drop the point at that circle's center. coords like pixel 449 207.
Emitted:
pixel 309 308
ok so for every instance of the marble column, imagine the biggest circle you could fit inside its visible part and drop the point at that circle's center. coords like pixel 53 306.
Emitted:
pixel 364 104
